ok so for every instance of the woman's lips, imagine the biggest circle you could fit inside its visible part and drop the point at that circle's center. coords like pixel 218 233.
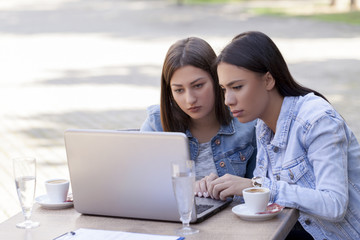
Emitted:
pixel 194 109
pixel 237 113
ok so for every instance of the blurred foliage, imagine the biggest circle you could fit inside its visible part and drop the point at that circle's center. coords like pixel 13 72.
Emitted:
pixel 208 1
pixel 351 17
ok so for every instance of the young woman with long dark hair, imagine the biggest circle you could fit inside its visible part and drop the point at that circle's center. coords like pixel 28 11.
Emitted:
pixel 307 155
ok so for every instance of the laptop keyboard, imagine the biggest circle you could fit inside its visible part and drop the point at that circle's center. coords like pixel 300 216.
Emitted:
pixel 202 208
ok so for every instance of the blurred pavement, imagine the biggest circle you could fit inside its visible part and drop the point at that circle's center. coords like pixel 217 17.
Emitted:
pixel 97 64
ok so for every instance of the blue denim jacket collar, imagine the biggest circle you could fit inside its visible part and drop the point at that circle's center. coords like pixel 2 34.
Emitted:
pixel 224 130
pixel 283 125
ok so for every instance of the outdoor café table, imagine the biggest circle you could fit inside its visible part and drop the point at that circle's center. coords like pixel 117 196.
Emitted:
pixel 223 225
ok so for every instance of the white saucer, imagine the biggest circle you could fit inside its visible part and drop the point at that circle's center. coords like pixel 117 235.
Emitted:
pixel 241 211
pixel 43 200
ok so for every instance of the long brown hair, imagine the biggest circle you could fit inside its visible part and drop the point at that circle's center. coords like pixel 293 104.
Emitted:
pixel 197 53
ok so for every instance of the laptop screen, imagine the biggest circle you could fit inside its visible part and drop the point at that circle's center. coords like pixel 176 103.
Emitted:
pixel 124 173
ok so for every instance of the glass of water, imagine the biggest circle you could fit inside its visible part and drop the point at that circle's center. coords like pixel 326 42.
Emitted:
pixel 183 180
pixel 25 182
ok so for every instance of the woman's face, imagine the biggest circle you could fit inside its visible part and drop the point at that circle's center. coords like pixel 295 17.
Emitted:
pixel 245 91
pixel 193 91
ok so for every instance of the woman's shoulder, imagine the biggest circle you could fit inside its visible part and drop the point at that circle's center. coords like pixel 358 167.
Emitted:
pixel 153 110
pixel 314 114
pixel 153 120
pixel 312 107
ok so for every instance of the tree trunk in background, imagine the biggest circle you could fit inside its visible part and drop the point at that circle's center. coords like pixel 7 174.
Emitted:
pixel 352 4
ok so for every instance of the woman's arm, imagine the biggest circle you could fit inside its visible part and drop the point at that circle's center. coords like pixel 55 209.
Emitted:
pixel 326 146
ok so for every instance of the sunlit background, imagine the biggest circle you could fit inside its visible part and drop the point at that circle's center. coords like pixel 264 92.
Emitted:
pixel 97 64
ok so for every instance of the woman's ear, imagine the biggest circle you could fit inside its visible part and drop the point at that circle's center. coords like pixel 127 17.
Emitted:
pixel 270 81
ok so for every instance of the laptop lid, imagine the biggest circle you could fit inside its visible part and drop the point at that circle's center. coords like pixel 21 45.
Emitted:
pixel 126 173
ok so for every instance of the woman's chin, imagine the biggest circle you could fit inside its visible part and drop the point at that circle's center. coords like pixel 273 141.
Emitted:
pixel 244 120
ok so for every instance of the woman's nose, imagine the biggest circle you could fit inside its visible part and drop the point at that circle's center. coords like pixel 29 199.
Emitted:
pixel 190 98
pixel 229 99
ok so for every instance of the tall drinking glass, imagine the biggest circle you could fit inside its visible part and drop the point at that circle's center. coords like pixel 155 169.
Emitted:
pixel 183 180
pixel 25 182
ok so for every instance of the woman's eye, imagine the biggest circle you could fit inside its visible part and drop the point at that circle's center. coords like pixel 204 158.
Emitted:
pixel 178 90
pixel 237 87
pixel 199 85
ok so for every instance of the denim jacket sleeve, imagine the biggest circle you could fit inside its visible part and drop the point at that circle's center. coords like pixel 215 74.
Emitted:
pixel 312 164
pixel 153 121
pixel 315 181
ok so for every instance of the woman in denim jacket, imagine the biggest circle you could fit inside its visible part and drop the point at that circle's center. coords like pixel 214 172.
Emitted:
pixel 307 155
pixel 192 103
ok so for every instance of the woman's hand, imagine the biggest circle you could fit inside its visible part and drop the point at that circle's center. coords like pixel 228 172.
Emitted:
pixel 201 186
pixel 228 186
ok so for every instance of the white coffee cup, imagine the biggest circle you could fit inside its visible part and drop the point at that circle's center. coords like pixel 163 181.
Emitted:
pixel 256 199
pixel 57 190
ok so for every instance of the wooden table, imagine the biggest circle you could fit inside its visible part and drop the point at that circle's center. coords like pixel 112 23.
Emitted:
pixel 224 225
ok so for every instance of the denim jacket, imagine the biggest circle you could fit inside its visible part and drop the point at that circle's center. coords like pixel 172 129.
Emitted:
pixel 233 147
pixel 314 166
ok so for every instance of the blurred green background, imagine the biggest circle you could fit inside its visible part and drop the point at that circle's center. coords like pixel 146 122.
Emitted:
pixel 328 10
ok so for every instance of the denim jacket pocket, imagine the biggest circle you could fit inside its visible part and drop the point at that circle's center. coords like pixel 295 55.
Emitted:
pixel 294 171
pixel 239 159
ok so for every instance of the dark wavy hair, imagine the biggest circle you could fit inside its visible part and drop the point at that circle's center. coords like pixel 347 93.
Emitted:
pixel 194 52
pixel 256 52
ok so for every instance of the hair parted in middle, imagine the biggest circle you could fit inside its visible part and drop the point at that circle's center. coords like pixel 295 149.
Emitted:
pixel 194 52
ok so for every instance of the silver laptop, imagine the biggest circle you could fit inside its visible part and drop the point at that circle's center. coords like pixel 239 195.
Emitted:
pixel 128 174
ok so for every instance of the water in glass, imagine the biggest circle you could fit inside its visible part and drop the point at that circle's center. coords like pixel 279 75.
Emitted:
pixel 183 180
pixel 25 182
